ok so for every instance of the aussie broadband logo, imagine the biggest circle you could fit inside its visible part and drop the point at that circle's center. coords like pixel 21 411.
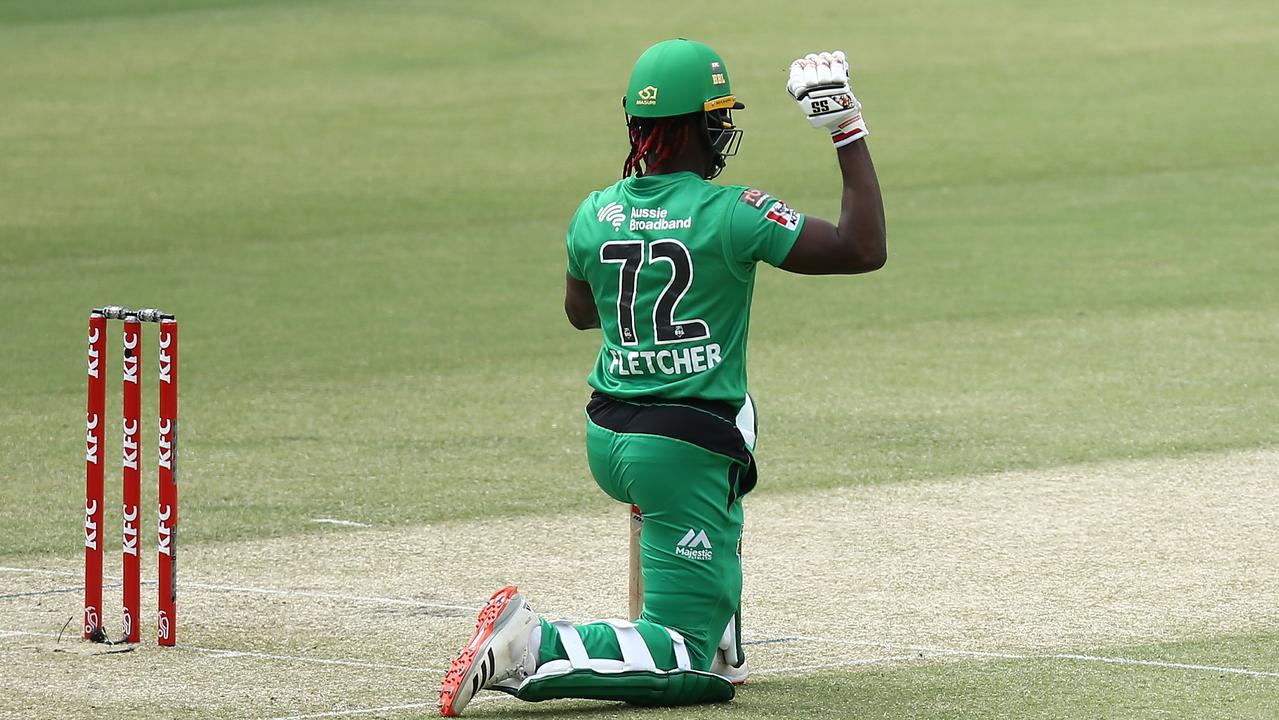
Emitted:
pixel 657 219
pixel 613 214
pixel 695 546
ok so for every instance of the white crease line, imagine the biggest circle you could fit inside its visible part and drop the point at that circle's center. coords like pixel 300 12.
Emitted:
pixel 410 668
pixel 1164 664
pixel 897 646
pixel 52 591
pixel 319 661
pixel 1048 656
pixel 500 697
pixel 362 711
pixel 28 633
pixel 37 571
pixel 919 648
pixel 839 664
pixel 375 599
pixel 389 708
pixel 344 523
pixel 221 653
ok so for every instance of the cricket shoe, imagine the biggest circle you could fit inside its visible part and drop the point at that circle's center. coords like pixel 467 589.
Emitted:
pixel 736 675
pixel 497 652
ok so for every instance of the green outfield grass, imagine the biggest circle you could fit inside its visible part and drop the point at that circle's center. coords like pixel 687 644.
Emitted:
pixel 979 689
pixel 1047 688
pixel 357 210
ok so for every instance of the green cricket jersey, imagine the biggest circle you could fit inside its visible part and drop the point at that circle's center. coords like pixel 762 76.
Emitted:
pixel 671 262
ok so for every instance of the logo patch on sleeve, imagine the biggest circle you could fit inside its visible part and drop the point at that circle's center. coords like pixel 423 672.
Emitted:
pixel 755 198
pixel 783 215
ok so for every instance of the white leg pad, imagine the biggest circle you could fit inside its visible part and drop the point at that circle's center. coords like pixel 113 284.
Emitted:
pixel 728 642
pixel 634 679
pixel 635 654
pixel 573 645
pixel 681 651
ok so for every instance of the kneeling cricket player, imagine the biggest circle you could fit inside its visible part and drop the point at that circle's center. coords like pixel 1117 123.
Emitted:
pixel 663 262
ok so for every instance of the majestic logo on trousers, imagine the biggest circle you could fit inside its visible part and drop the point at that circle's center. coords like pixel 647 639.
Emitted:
pixel 695 546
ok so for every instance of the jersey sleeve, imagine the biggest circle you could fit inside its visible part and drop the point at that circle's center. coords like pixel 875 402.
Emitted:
pixel 575 268
pixel 762 228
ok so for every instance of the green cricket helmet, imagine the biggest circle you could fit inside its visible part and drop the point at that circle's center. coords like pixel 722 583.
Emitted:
pixel 677 77
pixel 680 77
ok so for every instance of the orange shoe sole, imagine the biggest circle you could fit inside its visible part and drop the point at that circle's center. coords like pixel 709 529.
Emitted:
pixel 454 678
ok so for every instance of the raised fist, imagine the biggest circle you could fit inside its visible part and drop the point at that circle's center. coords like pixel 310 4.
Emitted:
pixel 819 84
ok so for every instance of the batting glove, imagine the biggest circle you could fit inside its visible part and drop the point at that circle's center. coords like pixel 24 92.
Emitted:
pixel 819 83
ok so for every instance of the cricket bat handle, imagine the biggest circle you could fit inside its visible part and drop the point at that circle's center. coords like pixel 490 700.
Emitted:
pixel 635 594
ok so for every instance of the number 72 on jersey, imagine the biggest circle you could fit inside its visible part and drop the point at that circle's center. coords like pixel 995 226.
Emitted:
pixel 628 255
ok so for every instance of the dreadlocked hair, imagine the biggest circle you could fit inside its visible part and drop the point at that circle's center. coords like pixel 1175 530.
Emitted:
pixel 654 141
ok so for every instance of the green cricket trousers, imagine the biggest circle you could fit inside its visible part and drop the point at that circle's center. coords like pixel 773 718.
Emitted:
pixel 686 464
